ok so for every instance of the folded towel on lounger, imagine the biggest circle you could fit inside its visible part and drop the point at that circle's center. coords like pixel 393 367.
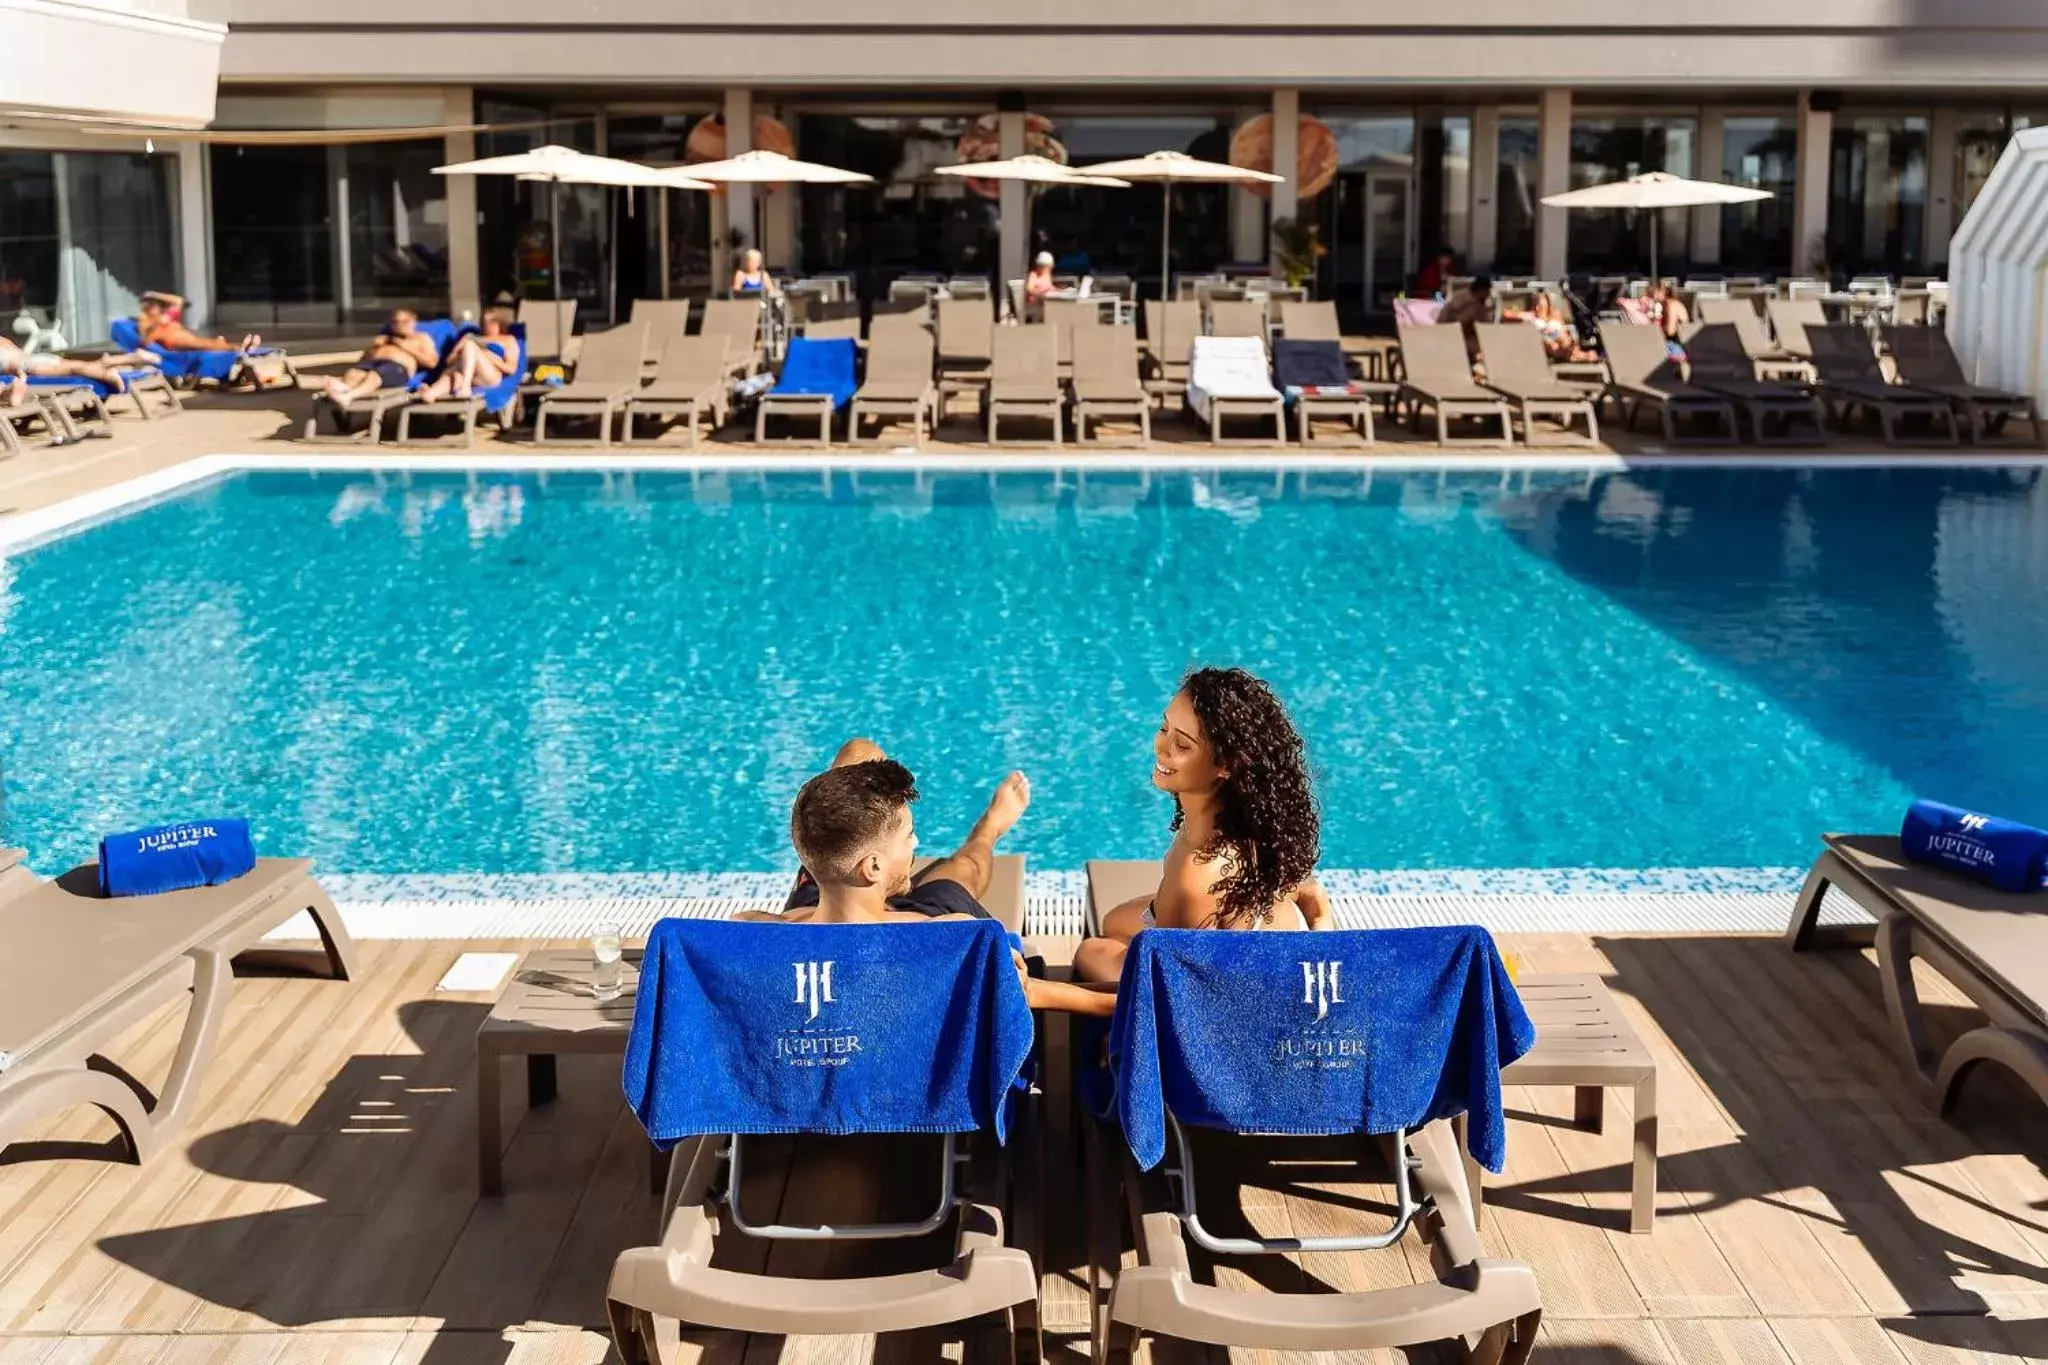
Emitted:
pixel 145 862
pixel 1352 1031
pixel 2002 853
pixel 825 1028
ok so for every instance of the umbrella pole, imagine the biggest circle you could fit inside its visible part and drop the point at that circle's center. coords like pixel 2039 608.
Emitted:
pixel 1655 216
pixel 1165 238
pixel 555 238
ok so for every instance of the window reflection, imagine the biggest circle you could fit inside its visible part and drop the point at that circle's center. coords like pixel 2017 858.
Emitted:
pixel 1515 198
pixel 1877 193
pixel 910 219
pixel 1118 230
pixel 1763 154
pixel 1608 149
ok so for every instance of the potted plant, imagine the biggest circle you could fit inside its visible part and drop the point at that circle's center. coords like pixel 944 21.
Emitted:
pixel 1297 246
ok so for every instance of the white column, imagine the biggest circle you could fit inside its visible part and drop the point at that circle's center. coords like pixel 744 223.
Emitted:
pixel 195 224
pixel 338 220
pixel 1286 154
pixel 1553 176
pixel 1485 181
pixel 465 282
pixel 1706 221
pixel 1247 210
pixel 1940 222
pixel 778 227
pixel 1013 224
pixel 1810 184
pixel 739 199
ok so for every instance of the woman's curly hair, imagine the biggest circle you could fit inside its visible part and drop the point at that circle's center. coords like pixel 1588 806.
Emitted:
pixel 1266 817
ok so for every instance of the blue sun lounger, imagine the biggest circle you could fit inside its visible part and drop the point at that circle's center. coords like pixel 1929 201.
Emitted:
pixel 374 406
pixel 743 1030
pixel 817 380
pixel 500 400
pixel 196 367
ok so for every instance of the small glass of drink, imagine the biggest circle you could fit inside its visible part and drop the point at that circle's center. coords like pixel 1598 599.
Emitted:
pixel 606 955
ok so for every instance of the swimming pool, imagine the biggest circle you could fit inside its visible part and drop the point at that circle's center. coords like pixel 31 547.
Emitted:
pixel 523 673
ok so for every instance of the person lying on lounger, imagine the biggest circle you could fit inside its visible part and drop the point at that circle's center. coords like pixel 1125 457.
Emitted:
pixel 400 351
pixel 1245 827
pixel 20 364
pixel 480 360
pixel 161 321
pixel 852 828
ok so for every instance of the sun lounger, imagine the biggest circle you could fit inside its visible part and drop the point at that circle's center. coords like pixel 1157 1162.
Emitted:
pixel 663 319
pixel 1024 378
pixel 1771 361
pixel 1790 317
pixel 1316 379
pixel 1303 321
pixel 373 407
pixel 966 337
pixel 499 400
pixel 1643 374
pixel 226 368
pixel 1170 332
pixel 967 1020
pixel 100 966
pixel 817 380
pixel 550 332
pixel 1923 357
pixel 1284 992
pixel 691 380
pixel 1437 374
pixel 1106 383
pixel 1989 944
pixel 15 876
pixel 898 383
pixel 1519 370
pixel 739 322
pixel 1780 412
pixel 607 374
pixel 1851 378
pixel 1238 318
pixel 842 328
pixel 1232 377
pixel 59 411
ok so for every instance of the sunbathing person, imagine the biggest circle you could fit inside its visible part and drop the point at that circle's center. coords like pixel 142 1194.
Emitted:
pixel 400 351
pixel 1246 829
pixel 20 364
pixel 852 827
pixel 478 360
pixel 161 322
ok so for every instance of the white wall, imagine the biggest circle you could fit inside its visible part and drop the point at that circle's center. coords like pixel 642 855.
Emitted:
pixel 112 61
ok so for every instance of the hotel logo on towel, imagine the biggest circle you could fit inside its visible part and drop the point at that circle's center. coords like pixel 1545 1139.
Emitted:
pixel 813 985
pixel 1972 823
pixel 1321 986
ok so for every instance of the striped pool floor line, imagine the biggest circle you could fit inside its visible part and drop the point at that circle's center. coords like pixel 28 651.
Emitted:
pixel 572 905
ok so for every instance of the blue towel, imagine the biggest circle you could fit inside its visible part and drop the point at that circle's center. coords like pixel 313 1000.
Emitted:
pixel 145 862
pixel 822 366
pixel 1357 1031
pixel 218 366
pixel 2002 853
pixel 825 1028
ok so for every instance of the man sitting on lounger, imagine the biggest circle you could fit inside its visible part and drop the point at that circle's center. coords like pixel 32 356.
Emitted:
pixel 400 351
pixel 852 827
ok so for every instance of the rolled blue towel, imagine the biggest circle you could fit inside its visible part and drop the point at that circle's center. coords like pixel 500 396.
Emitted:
pixel 1984 848
pixel 145 862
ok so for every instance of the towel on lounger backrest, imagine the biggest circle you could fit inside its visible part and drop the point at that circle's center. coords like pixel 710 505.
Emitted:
pixel 1231 367
pixel 1348 1031
pixel 823 366
pixel 1310 365
pixel 753 1027
pixel 2001 853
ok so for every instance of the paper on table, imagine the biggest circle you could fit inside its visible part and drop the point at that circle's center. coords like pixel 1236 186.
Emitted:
pixel 477 972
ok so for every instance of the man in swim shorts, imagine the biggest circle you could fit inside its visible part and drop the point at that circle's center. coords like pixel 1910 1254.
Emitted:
pixel 400 351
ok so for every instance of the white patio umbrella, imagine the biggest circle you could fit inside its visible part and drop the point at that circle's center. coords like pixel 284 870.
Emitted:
pixel 1170 169
pixel 769 168
pixel 557 165
pixel 1654 190
pixel 1035 170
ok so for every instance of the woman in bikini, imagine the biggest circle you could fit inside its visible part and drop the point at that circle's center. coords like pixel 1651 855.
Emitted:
pixel 479 360
pixel 1246 832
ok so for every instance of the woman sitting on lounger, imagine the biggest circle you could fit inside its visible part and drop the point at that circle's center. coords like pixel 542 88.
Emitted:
pixel 1246 829
pixel 161 322
pixel 480 360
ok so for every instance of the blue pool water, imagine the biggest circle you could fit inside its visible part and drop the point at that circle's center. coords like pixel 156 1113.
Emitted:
pixel 510 674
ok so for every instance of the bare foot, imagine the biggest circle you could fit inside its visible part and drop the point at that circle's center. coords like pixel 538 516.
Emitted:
pixel 337 392
pixel 17 392
pixel 1006 807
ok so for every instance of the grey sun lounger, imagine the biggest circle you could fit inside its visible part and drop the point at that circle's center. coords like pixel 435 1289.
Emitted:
pixel 1641 373
pixel 1851 378
pixel 606 376
pixel 1024 379
pixel 739 322
pixel 14 873
pixel 1780 412
pixel 966 336
pixel 1237 318
pixel 691 380
pixel 1991 945
pixel 1769 360
pixel 100 966
pixel 1438 375
pixel 1170 332
pixel 1106 384
pixel 1923 357
pixel 1518 369
pixel 1490 1308
pixel 1789 320
pixel 1317 321
pixel 664 319
pixel 59 428
pixel 898 383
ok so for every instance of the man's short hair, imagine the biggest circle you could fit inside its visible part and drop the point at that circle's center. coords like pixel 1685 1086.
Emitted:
pixel 842 812
pixel 1481 283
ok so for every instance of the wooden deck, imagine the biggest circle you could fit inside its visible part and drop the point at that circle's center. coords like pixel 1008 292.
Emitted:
pixel 324 1207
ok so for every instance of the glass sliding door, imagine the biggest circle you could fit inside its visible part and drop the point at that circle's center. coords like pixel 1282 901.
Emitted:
pixel 1877 194
pixel 29 241
pixel 1760 153
pixel 1514 198
pixel 910 219
pixel 1616 147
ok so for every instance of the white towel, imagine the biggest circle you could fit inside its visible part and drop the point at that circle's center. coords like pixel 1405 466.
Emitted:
pixel 1228 367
